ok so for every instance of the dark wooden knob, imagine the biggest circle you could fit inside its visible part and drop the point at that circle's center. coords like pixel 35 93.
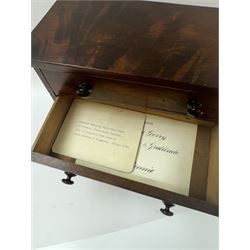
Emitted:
pixel 194 108
pixel 84 89
pixel 68 179
pixel 166 210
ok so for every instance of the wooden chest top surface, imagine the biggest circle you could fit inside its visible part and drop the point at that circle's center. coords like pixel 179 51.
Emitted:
pixel 174 43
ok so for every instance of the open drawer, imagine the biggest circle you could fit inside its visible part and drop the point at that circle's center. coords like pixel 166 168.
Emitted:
pixel 203 191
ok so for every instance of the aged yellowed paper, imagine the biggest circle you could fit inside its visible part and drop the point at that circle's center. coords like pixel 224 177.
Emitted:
pixel 165 155
pixel 166 152
pixel 101 134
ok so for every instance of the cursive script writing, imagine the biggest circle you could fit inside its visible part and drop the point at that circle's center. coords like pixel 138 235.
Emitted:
pixel 150 146
pixel 144 169
pixel 156 135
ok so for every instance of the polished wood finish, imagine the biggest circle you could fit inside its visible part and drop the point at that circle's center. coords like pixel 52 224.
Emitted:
pixel 138 187
pixel 130 93
pixel 175 44
pixel 45 82
pixel 213 173
pixel 198 183
pixel 145 56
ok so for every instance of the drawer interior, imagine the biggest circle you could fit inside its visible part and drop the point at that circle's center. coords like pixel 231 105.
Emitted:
pixel 204 176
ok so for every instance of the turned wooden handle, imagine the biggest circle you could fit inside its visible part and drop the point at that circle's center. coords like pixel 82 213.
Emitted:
pixel 68 180
pixel 194 108
pixel 84 89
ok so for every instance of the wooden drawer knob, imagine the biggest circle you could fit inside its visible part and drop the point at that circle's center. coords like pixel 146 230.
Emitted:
pixel 166 210
pixel 84 89
pixel 68 179
pixel 194 108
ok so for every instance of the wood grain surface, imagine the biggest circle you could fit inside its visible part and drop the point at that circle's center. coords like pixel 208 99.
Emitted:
pixel 118 92
pixel 176 43
pixel 146 56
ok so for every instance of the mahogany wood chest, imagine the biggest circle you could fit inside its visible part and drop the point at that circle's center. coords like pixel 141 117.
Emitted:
pixel 151 57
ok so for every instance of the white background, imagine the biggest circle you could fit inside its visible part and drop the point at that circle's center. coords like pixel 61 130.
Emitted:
pixel 62 213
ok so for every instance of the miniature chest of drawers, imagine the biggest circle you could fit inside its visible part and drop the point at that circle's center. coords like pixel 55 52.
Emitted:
pixel 151 57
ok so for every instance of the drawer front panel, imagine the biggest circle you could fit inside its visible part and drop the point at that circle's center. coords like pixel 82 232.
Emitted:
pixel 130 94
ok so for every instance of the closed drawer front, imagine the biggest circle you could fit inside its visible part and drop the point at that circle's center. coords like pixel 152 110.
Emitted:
pixel 124 93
